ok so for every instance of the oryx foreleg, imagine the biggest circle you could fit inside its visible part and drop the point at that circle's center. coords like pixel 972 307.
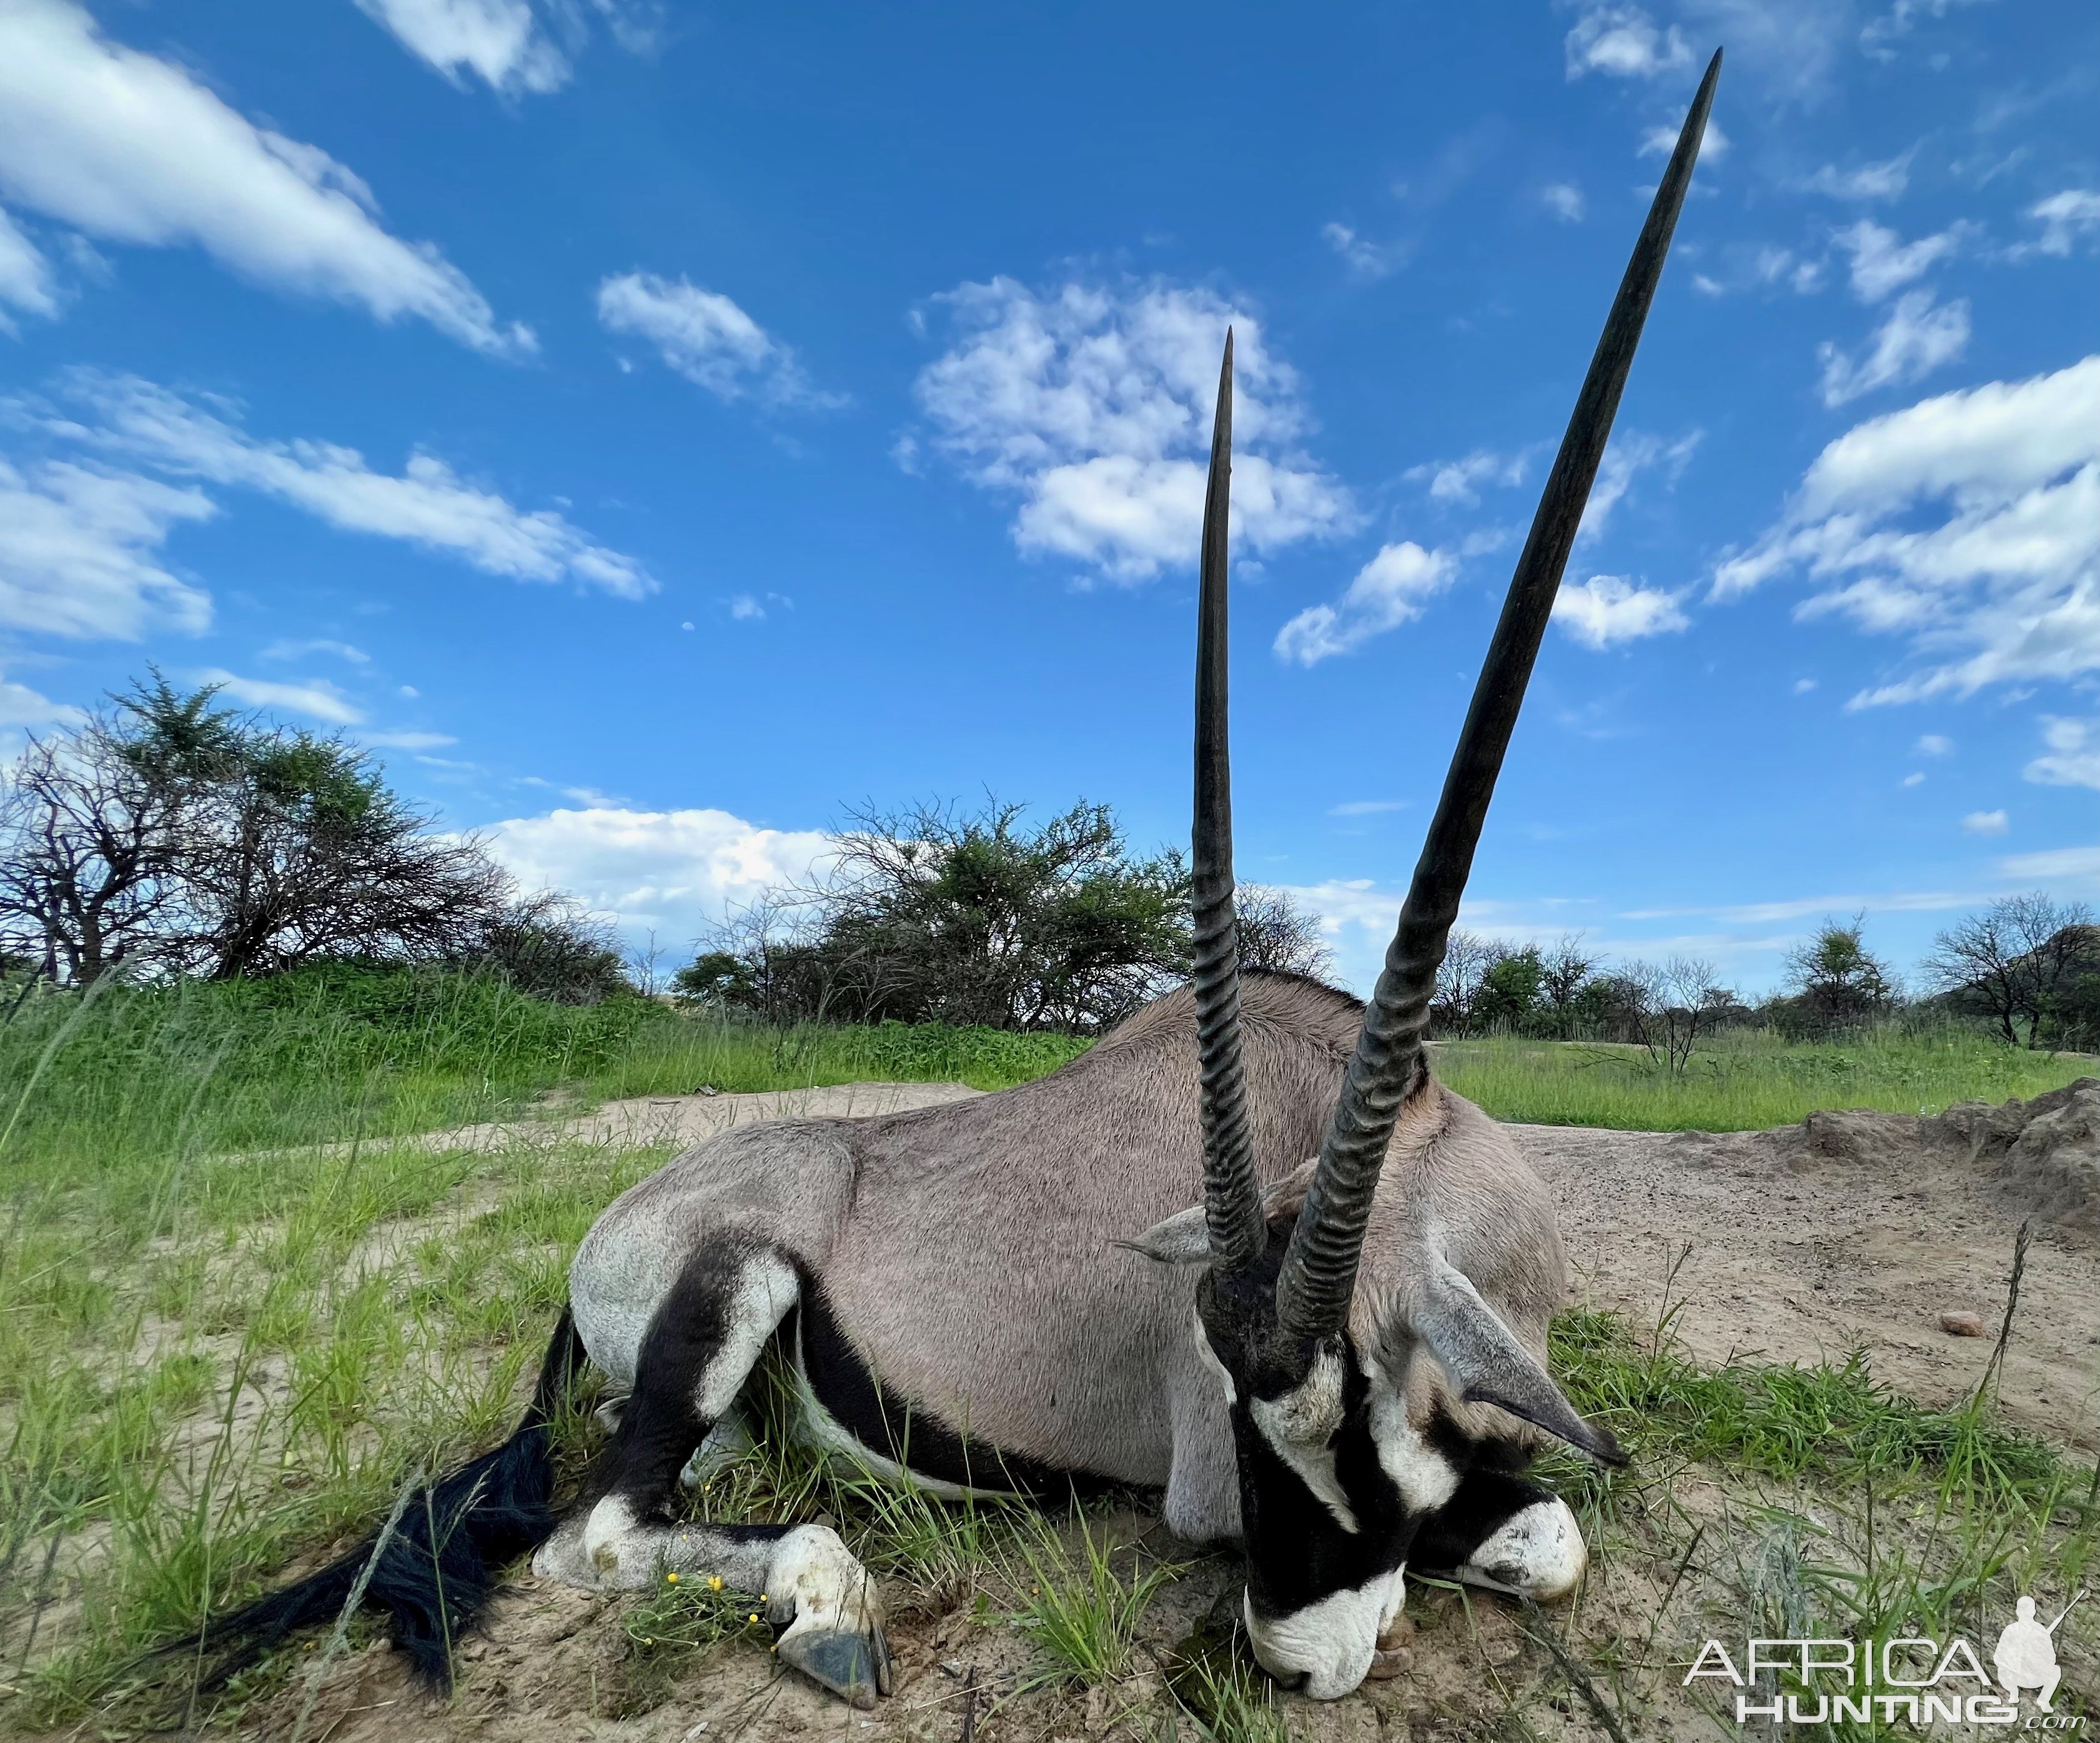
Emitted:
pixel 700 1347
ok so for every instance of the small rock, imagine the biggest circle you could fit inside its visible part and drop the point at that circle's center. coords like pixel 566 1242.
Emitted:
pixel 1960 1325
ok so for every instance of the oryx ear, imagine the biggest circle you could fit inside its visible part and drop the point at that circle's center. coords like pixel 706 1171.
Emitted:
pixel 1484 1357
pixel 1184 1238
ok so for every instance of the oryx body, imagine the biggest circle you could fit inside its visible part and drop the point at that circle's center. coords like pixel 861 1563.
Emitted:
pixel 1247 1250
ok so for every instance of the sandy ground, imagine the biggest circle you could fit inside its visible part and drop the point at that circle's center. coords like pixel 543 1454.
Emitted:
pixel 1797 1254
pixel 1782 1250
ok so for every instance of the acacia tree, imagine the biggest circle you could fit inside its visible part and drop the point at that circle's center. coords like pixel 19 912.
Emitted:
pixel 171 835
pixel 2011 961
pixel 1279 935
pixel 932 913
pixel 1668 1006
pixel 1836 980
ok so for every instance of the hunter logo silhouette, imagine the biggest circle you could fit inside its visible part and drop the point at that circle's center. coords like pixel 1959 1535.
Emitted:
pixel 2025 1655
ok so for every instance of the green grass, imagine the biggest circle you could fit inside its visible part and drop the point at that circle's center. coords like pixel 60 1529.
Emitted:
pixel 1081 1611
pixel 223 1348
pixel 1747 1080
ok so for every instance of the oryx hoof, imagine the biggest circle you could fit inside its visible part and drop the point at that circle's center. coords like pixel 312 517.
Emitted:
pixel 1394 1654
pixel 856 1667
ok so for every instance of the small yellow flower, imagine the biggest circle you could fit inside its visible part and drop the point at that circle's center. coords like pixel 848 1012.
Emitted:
pixel 670 1579
pixel 714 1582
pixel 754 1615
pixel 763 1599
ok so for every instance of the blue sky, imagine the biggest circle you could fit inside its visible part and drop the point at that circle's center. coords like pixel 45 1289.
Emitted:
pixel 653 429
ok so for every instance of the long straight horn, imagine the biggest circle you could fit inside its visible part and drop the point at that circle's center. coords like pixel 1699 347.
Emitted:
pixel 1231 1196
pixel 1319 1271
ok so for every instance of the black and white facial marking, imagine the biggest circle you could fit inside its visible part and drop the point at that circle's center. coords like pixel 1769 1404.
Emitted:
pixel 1327 1526
pixel 1340 1491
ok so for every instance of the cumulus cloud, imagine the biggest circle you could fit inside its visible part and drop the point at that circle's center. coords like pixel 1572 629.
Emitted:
pixel 1660 142
pixel 356 656
pixel 1864 182
pixel 21 706
pixel 132 149
pixel 1935 744
pixel 2066 218
pixel 1460 480
pixel 2073 758
pixel 428 504
pixel 318 700
pixel 1624 42
pixel 1563 199
pixel 1985 823
pixel 79 553
pixel 1389 590
pixel 707 338
pixel 1092 405
pixel 1883 262
pixel 671 873
pixel 1968 524
pixel 1917 336
pixel 1607 610
pixel 498 41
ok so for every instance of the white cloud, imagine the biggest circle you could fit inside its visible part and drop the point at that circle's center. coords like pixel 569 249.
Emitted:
pixel 1387 591
pixel 1802 685
pixel 1366 807
pixel 133 149
pixel 1883 262
pixel 1564 201
pixel 319 699
pixel 1364 259
pixel 1632 452
pixel 1916 339
pixel 1459 480
pixel 1623 41
pixel 2066 217
pixel 1985 823
pixel 1864 182
pixel 78 553
pixel 1914 779
pixel 1969 523
pixel 409 741
pixel 25 276
pixel 2074 754
pixel 1660 142
pixel 707 338
pixel 21 706
pixel 1935 744
pixel 745 608
pixel 427 504
pixel 356 656
pixel 1093 405
pixel 498 41
pixel 1605 611
pixel 671 872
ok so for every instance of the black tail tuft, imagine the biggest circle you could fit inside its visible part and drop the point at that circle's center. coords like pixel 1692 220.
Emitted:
pixel 440 1567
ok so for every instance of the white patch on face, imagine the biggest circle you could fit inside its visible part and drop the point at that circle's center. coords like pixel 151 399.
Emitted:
pixel 1211 1357
pixel 1330 1643
pixel 1425 1478
pixel 1538 1553
pixel 1300 1427
pixel 766 1287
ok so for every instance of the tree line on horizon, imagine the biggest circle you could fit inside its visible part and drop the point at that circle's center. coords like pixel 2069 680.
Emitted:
pixel 166 837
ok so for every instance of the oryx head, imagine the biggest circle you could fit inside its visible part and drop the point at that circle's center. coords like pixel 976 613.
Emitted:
pixel 1335 1478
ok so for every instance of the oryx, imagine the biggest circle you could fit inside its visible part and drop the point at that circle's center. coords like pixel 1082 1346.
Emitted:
pixel 1127 1271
